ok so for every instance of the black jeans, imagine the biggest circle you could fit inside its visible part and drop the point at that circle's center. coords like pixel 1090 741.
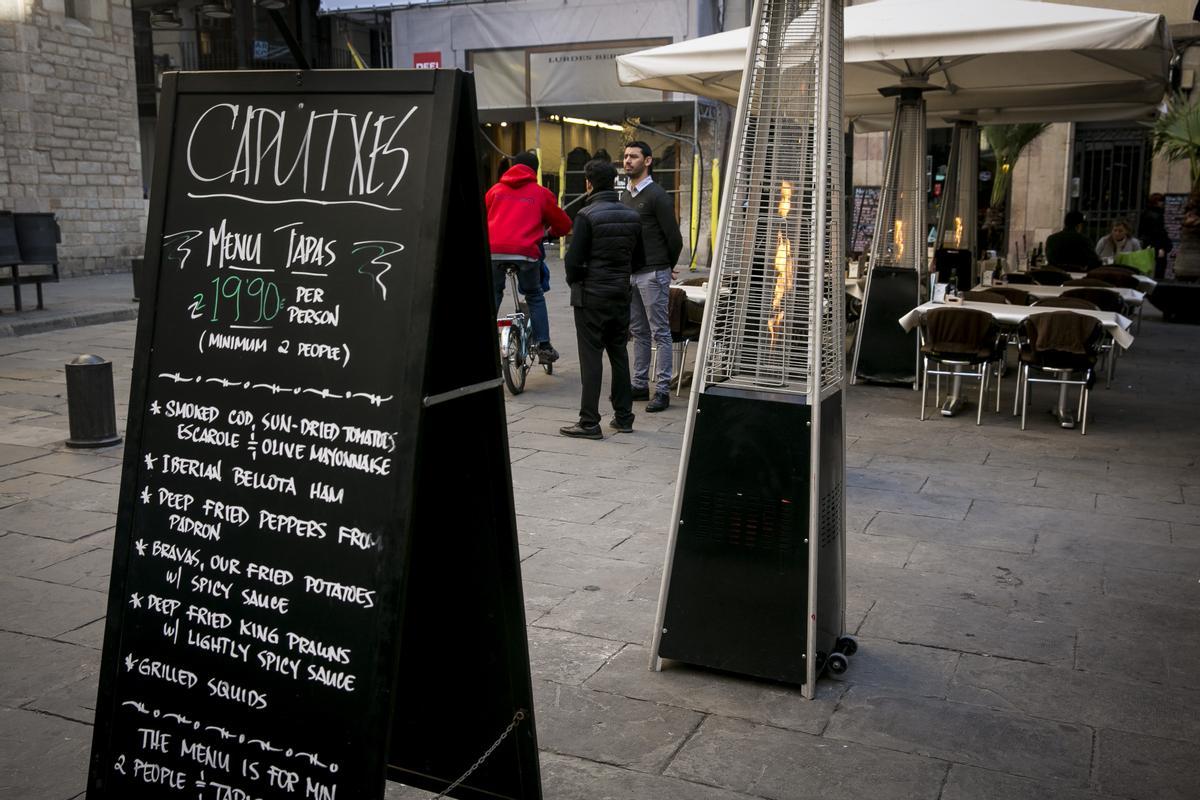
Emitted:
pixel 603 327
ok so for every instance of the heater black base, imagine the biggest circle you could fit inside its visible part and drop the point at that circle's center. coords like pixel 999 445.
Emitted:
pixel 738 594
pixel 886 353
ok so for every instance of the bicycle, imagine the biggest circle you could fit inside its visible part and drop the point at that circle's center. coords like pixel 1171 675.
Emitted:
pixel 517 355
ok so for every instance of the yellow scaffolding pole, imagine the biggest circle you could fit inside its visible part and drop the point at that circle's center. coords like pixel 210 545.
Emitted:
pixel 716 205
pixel 695 237
pixel 562 192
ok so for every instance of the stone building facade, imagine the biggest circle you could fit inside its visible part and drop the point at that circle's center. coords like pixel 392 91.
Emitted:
pixel 69 127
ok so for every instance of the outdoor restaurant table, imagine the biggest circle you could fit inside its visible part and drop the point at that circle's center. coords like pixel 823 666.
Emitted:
pixel 1116 325
pixel 1145 283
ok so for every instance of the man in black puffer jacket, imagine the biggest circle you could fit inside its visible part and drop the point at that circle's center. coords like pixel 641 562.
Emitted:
pixel 606 243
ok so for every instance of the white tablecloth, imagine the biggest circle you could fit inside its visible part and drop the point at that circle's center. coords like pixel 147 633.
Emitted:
pixel 1128 295
pixel 1116 325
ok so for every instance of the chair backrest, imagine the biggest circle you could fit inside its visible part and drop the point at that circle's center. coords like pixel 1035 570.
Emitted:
pixel 1018 278
pixel 985 296
pixel 1089 282
pixel 700 281
pixel 1050 277
pixel 677 317
pixel 1117 277
pixel 1060 337
pixel 1066 302
pixel 1104 299
pixel 9 252
pixel 1018 297
pixel 954 330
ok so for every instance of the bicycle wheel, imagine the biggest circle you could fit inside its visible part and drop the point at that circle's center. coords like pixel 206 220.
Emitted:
pixel 516 366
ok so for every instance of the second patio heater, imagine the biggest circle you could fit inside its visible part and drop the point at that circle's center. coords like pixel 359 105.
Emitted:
pixel 883 352
pixel 954 256
pixel 754 580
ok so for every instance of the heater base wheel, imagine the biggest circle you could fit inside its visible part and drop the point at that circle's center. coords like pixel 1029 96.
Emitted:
pixel 846 645
pixel 837 663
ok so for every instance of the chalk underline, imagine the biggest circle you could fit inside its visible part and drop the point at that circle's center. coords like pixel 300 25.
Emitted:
pixel 197 196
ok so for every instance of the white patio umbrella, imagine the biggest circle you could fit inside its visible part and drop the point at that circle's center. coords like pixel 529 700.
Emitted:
pixel 997 60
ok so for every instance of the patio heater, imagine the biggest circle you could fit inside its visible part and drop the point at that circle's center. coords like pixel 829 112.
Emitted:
pixel 957 221
pixel 883 352
pixel 954 240
pixel 754 580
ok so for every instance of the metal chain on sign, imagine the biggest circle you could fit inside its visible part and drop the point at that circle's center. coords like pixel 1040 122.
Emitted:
pixel 516 720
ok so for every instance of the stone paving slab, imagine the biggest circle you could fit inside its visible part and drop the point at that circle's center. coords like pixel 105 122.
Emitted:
pixel 1146 767
pixel 42 757
pixel 610 728
pixel 1075 696
pixel 616 617
pixel 972 783
pixel 786 765
pixel 965 734
pixel 682 686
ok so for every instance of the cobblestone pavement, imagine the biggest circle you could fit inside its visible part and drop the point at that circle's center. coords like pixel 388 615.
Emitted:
pixel 1026 603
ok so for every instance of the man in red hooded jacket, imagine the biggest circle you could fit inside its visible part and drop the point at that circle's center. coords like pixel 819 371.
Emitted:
pixel 519 211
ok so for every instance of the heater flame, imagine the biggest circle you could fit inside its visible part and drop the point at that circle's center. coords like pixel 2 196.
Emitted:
pixel 958 231
pixel 785 198
pixel 783 280
pixel 898 238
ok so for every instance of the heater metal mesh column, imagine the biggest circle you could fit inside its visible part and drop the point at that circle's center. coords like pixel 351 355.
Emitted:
pixel 754 580
pixel 957 220
pixel 883 352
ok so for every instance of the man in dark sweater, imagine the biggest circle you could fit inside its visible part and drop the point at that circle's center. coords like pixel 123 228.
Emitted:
pixel 1069 247
pixel 606 245
pixel 648 320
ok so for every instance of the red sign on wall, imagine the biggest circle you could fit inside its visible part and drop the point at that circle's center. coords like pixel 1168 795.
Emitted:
pixel 431 60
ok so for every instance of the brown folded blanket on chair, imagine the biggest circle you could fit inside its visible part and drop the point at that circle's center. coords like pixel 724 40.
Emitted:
pixel 677 310
pixel 1062 331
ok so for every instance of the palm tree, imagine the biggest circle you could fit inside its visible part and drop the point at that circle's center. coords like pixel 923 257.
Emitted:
pixel 1007 143
pixel 1176 136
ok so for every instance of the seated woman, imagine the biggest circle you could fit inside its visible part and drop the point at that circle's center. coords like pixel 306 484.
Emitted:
pixel 1119 240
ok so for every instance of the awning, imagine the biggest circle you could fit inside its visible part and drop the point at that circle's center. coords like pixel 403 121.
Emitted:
pixel 995 60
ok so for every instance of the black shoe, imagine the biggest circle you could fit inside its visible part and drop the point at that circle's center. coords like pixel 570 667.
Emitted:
pixel 641 393
pixel 659 403
pixel 546 353
pixel 621 426
pixel 581 431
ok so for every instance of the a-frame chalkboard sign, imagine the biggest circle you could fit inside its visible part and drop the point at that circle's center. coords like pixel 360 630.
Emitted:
pixel 315 579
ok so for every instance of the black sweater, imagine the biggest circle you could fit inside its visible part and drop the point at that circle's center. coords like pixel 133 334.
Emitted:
pixel 659 228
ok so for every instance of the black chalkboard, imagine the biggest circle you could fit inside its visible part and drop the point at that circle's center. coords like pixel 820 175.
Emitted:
pixel 316 506
pixel 863 213
pixel 1173 211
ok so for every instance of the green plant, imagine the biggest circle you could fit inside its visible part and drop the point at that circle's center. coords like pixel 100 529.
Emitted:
pixel 1176 135
pixel 1007 142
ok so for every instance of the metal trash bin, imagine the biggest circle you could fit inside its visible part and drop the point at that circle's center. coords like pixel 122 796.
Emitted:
pixel 91 408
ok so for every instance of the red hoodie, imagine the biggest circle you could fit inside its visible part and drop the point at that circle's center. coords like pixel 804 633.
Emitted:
pixel 518 210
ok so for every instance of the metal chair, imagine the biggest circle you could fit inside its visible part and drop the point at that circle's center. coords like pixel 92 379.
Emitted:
pixel 1063 348
pixel 1049 277
pixel 1104 300
pixel 683 332
pixel 959 338
pixel 1015 296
